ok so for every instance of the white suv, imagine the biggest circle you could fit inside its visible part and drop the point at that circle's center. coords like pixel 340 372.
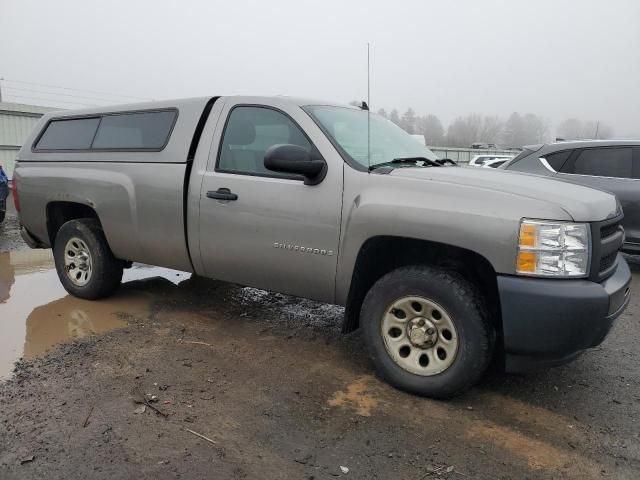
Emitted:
pixel 480 160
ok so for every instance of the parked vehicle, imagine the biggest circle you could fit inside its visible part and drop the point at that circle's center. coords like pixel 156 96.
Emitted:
pixel 480 145
pixel 442 267
pixel 610 165
pixel 4 193
pixel 480 160
pixel 495 163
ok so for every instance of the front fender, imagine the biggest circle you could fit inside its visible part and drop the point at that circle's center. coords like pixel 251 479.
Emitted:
pixel 483 221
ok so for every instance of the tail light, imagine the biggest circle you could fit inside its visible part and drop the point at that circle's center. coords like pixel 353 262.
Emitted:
pixel 16 200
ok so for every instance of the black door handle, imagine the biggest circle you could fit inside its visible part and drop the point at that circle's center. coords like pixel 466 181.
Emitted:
pixel 222 194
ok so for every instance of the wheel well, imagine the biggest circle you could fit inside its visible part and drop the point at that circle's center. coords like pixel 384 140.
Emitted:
pixel 58 213
pixel 380 255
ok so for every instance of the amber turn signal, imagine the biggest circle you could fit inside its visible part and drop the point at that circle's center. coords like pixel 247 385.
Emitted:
pixel 527 262
pixel 528 235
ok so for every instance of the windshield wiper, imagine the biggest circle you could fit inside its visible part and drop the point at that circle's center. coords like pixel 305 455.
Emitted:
pixel 425 160
pixel 444 161
pixel 407 160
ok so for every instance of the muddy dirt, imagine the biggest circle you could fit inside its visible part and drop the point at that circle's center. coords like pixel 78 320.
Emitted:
pixel 10 234
pixel 28 278
pixel 244 384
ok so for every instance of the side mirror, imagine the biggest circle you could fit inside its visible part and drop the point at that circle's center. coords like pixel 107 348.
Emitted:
pixel 295 160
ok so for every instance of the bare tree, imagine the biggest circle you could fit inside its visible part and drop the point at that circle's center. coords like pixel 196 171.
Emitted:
pixel 535 129
pixel 604 131
pixel 597 130
pixel 431 128
pixel 513 131
pixel 524 130
pixel 518 130
pixel 408 121
pixel 576 129
pixel 491 130
pixel 570 129
pixel 394 117
pixel 589 128
pixel 464 130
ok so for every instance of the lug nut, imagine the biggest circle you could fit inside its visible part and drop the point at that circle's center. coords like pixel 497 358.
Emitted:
pixel 431 330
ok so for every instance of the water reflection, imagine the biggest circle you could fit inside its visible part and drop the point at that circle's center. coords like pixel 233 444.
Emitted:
pixel 36 313
pixel 71 318
pixel 7 277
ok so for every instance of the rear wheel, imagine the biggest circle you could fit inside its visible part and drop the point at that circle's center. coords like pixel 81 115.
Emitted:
pixel 84 262
pixel 427 331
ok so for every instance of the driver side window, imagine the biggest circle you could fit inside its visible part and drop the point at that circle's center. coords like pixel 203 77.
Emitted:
pixel 249 133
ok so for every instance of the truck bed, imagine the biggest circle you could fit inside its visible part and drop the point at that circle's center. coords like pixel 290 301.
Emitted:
pixel 139 196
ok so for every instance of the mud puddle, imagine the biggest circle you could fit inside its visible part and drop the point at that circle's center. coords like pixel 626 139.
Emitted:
pixel 36 313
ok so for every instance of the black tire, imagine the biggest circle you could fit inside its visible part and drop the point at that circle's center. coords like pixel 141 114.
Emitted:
pixel 106 272
pixel 465 307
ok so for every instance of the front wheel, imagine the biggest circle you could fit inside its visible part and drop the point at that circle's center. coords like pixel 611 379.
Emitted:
pixel 427 331
pixel 84 262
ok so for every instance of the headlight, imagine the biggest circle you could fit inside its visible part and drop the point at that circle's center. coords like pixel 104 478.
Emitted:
pixel 553 249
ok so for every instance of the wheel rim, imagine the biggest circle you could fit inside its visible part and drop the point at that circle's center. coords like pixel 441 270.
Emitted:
pixel 77 262
pixel 419 335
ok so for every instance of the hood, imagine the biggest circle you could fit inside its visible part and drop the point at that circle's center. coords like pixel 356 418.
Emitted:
pixel 583 204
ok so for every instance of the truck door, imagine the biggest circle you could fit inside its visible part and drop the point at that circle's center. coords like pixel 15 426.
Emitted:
pixel 266 229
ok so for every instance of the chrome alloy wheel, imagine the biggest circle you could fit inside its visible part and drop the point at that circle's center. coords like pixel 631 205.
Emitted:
pixel 77 262
pixel 419 336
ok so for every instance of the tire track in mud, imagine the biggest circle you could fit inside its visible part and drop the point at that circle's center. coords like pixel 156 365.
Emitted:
pixel 502 427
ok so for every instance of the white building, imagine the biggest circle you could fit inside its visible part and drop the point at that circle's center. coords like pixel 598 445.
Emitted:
pixel 16 122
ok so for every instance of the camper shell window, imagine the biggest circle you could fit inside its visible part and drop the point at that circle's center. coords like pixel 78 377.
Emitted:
pixel 125 131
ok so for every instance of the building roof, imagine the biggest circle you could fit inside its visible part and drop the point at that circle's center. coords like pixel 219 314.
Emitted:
pixel 17 108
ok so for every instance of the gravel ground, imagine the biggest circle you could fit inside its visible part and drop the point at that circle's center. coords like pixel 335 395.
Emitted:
pixel 245 384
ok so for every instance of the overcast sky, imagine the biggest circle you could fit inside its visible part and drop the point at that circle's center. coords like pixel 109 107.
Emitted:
pixel 557 58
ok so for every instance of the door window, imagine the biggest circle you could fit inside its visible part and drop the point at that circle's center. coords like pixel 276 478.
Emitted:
pixel 557 160
pixel 603 162
pixel 249 133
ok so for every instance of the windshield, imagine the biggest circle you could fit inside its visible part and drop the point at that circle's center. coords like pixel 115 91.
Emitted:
pixel 347 127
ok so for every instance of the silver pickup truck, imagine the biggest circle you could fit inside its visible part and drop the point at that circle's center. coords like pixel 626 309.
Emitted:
pixel 443 267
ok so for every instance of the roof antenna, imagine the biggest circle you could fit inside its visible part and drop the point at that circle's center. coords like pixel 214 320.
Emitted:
pixel 368 102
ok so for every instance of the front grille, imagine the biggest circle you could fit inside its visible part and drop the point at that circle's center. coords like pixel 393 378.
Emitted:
pixel 607 261
pixel 608 237
pixel 608 230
